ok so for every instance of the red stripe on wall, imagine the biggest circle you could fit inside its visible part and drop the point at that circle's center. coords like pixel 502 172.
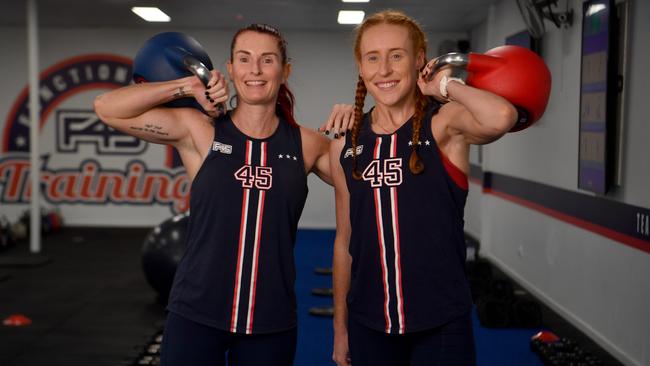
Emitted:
pixel 601 230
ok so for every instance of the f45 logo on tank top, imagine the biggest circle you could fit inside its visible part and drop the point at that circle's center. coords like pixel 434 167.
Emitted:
pixel 260 177
pixel 387 174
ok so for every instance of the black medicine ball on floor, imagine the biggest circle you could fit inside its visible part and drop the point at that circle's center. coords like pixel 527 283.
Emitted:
pixel 162 251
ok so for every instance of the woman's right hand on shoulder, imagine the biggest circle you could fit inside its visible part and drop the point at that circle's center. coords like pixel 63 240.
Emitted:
pixel 340 120
pixel 430 84
pixel 341 353
pixel 212 98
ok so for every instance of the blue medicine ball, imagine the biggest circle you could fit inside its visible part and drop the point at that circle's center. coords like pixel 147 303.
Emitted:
pixel 161 59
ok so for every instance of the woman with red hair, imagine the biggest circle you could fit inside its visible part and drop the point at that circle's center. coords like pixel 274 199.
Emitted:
pixel 400 292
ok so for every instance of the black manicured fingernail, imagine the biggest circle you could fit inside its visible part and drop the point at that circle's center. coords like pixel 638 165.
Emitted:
pixel 342 133
pixel 327 132
pixel 206 93
pixel 211 100
pixel 336 135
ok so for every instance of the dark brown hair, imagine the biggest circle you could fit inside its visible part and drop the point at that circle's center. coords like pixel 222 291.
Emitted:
pixel 286 100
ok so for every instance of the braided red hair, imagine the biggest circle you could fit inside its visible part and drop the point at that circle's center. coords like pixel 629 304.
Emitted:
pixel 419 44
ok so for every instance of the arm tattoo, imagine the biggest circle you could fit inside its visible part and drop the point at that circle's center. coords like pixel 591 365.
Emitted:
pixel 181 93
pixel 152 129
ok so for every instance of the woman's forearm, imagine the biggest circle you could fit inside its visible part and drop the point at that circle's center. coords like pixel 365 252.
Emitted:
pixel 341 284
pixel 133 100
pixel 492 112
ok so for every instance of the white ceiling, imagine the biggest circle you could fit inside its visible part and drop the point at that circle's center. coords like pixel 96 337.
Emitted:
pixel 434 15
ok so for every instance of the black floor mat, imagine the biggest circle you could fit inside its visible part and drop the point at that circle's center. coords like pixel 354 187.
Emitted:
pixel 89 306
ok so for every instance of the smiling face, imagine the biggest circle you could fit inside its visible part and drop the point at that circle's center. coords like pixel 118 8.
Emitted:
pixel 257 68
pixel 389 64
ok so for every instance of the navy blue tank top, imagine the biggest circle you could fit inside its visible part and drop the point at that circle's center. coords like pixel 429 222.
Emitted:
pixel 238 273
pixel 407 242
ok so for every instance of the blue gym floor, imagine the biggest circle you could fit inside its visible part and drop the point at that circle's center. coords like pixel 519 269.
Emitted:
pixel 314 249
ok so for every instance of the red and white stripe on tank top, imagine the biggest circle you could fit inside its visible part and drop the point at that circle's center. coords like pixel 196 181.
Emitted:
pixel 389 171
pixel 243 227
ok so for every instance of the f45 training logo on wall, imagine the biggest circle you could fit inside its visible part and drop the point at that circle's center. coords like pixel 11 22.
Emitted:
pixel 84 161
pixel 92 184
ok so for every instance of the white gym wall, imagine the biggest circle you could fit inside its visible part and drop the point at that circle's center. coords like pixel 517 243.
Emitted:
pixel 599 284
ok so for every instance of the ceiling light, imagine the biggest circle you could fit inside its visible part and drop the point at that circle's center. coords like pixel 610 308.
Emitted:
pixel 350 16
pixel 356 1
pixel 151 14
pixel 595 8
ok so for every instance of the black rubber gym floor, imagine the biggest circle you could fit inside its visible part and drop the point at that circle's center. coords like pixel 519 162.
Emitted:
pixel 90 306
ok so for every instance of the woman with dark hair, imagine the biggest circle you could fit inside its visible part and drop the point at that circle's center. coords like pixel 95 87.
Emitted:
pixel 400 292
pixel 233 293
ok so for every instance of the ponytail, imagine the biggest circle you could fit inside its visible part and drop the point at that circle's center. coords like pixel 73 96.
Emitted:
pixel 285 104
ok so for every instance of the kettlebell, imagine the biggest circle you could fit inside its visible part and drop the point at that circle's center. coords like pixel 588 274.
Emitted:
pixel 513 72
pixel 169 56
